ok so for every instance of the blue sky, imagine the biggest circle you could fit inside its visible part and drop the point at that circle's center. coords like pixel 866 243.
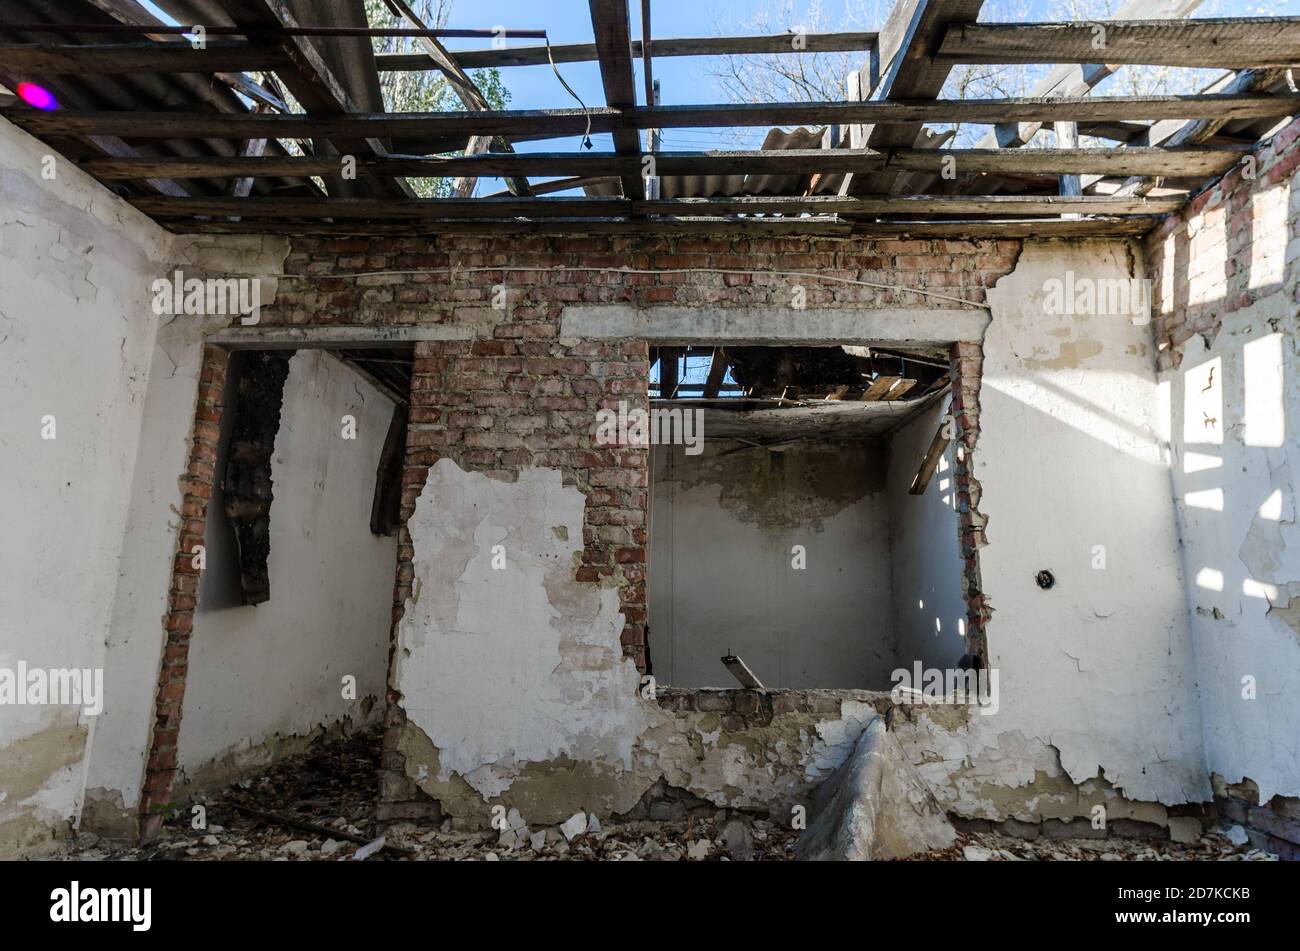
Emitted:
pixel 683 79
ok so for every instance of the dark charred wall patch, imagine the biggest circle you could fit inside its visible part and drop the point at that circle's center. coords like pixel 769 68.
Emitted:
pixel 257 399
pixel 778 490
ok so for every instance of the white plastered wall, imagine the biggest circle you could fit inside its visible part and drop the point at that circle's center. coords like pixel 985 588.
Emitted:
pixel 924 553
pixel 1235 405
pixel 91 514
pixel 722 556
pixel 261 674
pixel 1073 464
pixel 76 335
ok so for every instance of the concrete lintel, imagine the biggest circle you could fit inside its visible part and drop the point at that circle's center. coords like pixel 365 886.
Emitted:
pixel 764 326
pixel 356 336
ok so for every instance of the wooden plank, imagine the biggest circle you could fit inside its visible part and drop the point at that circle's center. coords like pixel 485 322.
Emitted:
pixel 879 387
pixel 1078 79
pixel 992 111
pixel 740 670
pixel 314 85
pixel 795 161
pixel 809 226
pixel 80 60
pixel 668 46
pixel 242 187
pixel 1238 43
pixel 1008 228
pixel 929 463
pixel 717 373
pixel 566 122
pixel 1191 161
pixel 669 371
pixel 563 185
pixel 910 73
pixel 259 207
pixel 611 26
pixel 898 392
pixel 914 204
pixel 1178 136
pixel 821 225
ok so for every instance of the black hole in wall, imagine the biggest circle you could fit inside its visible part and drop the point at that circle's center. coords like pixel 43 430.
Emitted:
pixel 1046 580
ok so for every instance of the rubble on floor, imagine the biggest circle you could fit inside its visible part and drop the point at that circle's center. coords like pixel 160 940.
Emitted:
pixel 1213 846
pixel 321 806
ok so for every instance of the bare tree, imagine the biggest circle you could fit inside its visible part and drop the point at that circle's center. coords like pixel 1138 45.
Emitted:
pixel 805 77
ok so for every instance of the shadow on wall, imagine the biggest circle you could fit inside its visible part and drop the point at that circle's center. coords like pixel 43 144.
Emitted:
pixel 1227 325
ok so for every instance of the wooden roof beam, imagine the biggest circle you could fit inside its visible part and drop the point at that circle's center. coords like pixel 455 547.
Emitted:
pixel 819 225
pixel 1170 161
pixel 1079 79
pixel 910 72
pixel 470 96
pixel 121 58
pixel 681 46
pixel 566 122
pixel 611 26
pixel 314 85
pixel 1237 43
pixel 605 207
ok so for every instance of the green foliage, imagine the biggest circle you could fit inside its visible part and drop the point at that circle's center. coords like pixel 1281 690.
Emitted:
pixel 426 90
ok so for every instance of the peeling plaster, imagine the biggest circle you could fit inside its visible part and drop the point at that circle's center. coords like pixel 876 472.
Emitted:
pixel 1241 554
pixel 506 667
pixel 1070 456
pixel 516 693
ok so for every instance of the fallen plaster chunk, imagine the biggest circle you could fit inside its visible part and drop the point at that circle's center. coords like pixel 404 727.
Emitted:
pixel 973 853
pixel 363 853
pixel 574 826
pixel 741 672
pixel 538 840
pixel 874 806
pixel 699 850
pixel 1236 835
pixel 593 825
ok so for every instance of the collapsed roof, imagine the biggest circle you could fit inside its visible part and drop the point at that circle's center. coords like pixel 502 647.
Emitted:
pixel 250 130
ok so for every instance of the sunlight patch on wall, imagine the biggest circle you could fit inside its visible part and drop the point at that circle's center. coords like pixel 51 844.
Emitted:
pixel 1211 499
pixel 1263 411
pixel 1211 579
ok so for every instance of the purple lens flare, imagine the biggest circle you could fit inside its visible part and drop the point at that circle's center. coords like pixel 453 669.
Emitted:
pixel 38 97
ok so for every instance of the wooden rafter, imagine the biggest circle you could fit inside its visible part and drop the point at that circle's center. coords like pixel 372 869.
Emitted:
pixel 910 73
pixel 604 207
pixel 566 122
pixel 114 58
pixel 1172 161
pixel 680 46
pixel 1238 43
pixel 820 225
pixel 314 85
pixel 1078 79
pixel 612 28
pixel 470 96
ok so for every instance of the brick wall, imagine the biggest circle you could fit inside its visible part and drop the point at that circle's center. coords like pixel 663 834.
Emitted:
pixel 196 491
pixel 518 396
pixel 1205 261
pixel 965 369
